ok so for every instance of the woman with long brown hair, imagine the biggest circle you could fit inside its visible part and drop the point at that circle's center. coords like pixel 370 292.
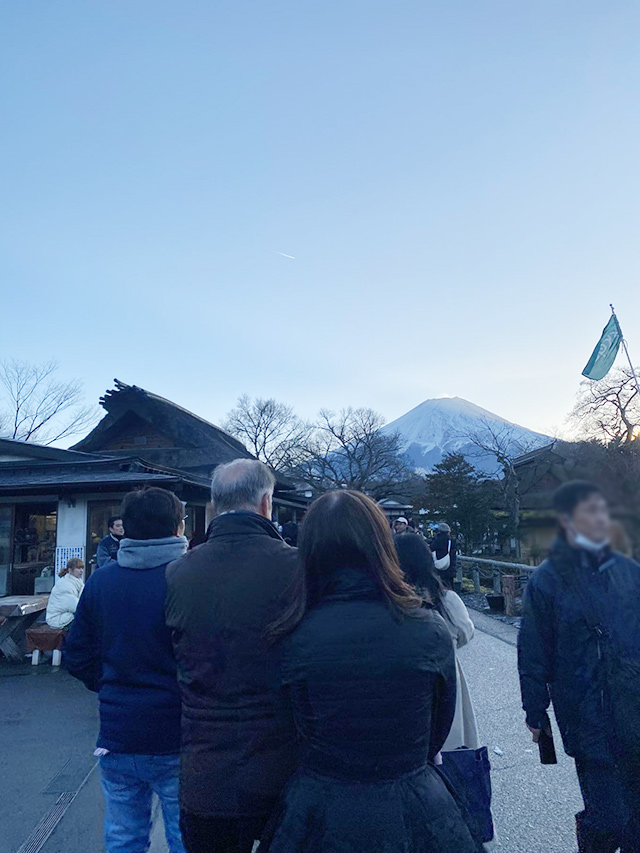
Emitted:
pixel 369 676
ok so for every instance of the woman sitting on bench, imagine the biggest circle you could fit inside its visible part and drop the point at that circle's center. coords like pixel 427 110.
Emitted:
pixel 65 595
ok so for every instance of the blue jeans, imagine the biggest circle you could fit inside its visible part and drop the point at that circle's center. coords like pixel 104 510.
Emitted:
pixel 128 783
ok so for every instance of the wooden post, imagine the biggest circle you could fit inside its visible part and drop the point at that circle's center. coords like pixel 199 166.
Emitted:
pixel 476 579
pixel 509 590
pixel 497 581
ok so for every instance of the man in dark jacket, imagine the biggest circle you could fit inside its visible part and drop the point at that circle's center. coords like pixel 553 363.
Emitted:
pixel 236 757
pixel 120 646
pixel 108 547
pixel 581 615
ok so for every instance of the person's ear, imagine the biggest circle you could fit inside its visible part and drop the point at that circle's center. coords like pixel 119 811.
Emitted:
pixel 565 522
pixel 266 506
pixel 181 528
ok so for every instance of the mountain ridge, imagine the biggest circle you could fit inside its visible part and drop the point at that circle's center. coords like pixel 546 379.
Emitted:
pixel 445 425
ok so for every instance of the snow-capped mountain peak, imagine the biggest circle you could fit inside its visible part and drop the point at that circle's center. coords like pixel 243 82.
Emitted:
pixel 446 425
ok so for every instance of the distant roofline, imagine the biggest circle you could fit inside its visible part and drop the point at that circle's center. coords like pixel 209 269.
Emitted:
pixel 43 451
pixel 531 454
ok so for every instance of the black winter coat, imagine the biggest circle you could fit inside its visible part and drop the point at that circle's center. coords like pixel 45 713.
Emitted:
pixel 558 654
pixel 439 548
pixel 221 598
pixel 373 698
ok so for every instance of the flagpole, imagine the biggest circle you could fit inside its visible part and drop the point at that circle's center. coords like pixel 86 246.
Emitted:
pixel 626 350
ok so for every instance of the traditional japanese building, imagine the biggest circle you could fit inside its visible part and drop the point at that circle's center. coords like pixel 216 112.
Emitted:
pixel 54 504
pixel 540 472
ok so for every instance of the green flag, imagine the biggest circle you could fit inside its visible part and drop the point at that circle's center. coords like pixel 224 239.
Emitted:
pixel 605 352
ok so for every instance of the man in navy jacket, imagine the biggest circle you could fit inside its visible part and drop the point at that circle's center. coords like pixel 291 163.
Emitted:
pixel 120 647
pixel 108 547
pixel 581 614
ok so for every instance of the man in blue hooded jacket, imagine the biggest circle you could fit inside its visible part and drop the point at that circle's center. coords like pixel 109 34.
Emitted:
pixel 120 647
pixel 581 622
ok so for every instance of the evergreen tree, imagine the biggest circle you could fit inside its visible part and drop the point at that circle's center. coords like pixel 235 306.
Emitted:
pixel 457 493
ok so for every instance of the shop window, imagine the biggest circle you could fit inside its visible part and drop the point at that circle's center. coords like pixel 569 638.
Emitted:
pixel 34 544
pixel 6 519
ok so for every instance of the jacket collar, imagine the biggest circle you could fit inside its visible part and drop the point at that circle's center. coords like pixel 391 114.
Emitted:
pixel 351 582
pixel 150 553
pixel 242 521
pixel 568 560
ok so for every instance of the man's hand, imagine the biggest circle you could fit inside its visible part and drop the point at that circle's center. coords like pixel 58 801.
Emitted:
pixel 535 733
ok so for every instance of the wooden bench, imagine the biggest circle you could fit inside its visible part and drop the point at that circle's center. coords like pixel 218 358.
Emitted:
pixel 19 613
pixel 43 638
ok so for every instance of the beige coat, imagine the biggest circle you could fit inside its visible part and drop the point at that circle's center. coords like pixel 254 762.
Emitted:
pixel 464 731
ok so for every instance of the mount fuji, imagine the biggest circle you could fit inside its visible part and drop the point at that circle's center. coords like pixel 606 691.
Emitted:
pixel 441 426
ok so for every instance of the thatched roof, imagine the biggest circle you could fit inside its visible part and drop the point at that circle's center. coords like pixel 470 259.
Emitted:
pixel 160 431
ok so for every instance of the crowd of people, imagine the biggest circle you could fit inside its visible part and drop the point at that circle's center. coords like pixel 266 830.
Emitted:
pixel 308 698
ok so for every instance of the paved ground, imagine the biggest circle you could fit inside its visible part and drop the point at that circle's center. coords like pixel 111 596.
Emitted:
pixel 534 806
pixel 48 725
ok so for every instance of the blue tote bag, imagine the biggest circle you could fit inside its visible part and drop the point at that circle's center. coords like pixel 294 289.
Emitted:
pixel 469 773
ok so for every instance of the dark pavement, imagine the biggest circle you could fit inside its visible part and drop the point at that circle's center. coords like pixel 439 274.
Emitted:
pixel 48 775
pixel 48 726
pixel 534 806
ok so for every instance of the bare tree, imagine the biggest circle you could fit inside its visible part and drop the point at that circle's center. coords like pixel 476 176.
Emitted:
pixel 271 430
pixel 347 450
pixel 36 406
pixel 608 410
pixel 505 443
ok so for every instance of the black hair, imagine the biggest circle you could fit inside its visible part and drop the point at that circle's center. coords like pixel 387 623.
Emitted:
pixel 112 520
pixel 569 495
pixel 416 562
pixel 151 514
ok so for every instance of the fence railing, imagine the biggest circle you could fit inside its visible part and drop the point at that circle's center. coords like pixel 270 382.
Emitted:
pixel 508 579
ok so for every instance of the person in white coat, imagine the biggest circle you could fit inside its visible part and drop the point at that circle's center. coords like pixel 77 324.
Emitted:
pixel 464 729
pixel 65 595
pixel 416 561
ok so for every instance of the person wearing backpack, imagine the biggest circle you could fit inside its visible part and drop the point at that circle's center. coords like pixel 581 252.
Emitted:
pixel 444 555
pixel 579 647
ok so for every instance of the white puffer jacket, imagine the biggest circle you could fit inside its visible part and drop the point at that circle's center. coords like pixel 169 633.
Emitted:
pixel 63 601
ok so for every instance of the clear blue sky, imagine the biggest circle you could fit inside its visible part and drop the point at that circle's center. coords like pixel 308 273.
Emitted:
pixel 458 183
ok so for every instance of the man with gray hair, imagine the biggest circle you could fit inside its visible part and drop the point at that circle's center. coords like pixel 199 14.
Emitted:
pixel 222 596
